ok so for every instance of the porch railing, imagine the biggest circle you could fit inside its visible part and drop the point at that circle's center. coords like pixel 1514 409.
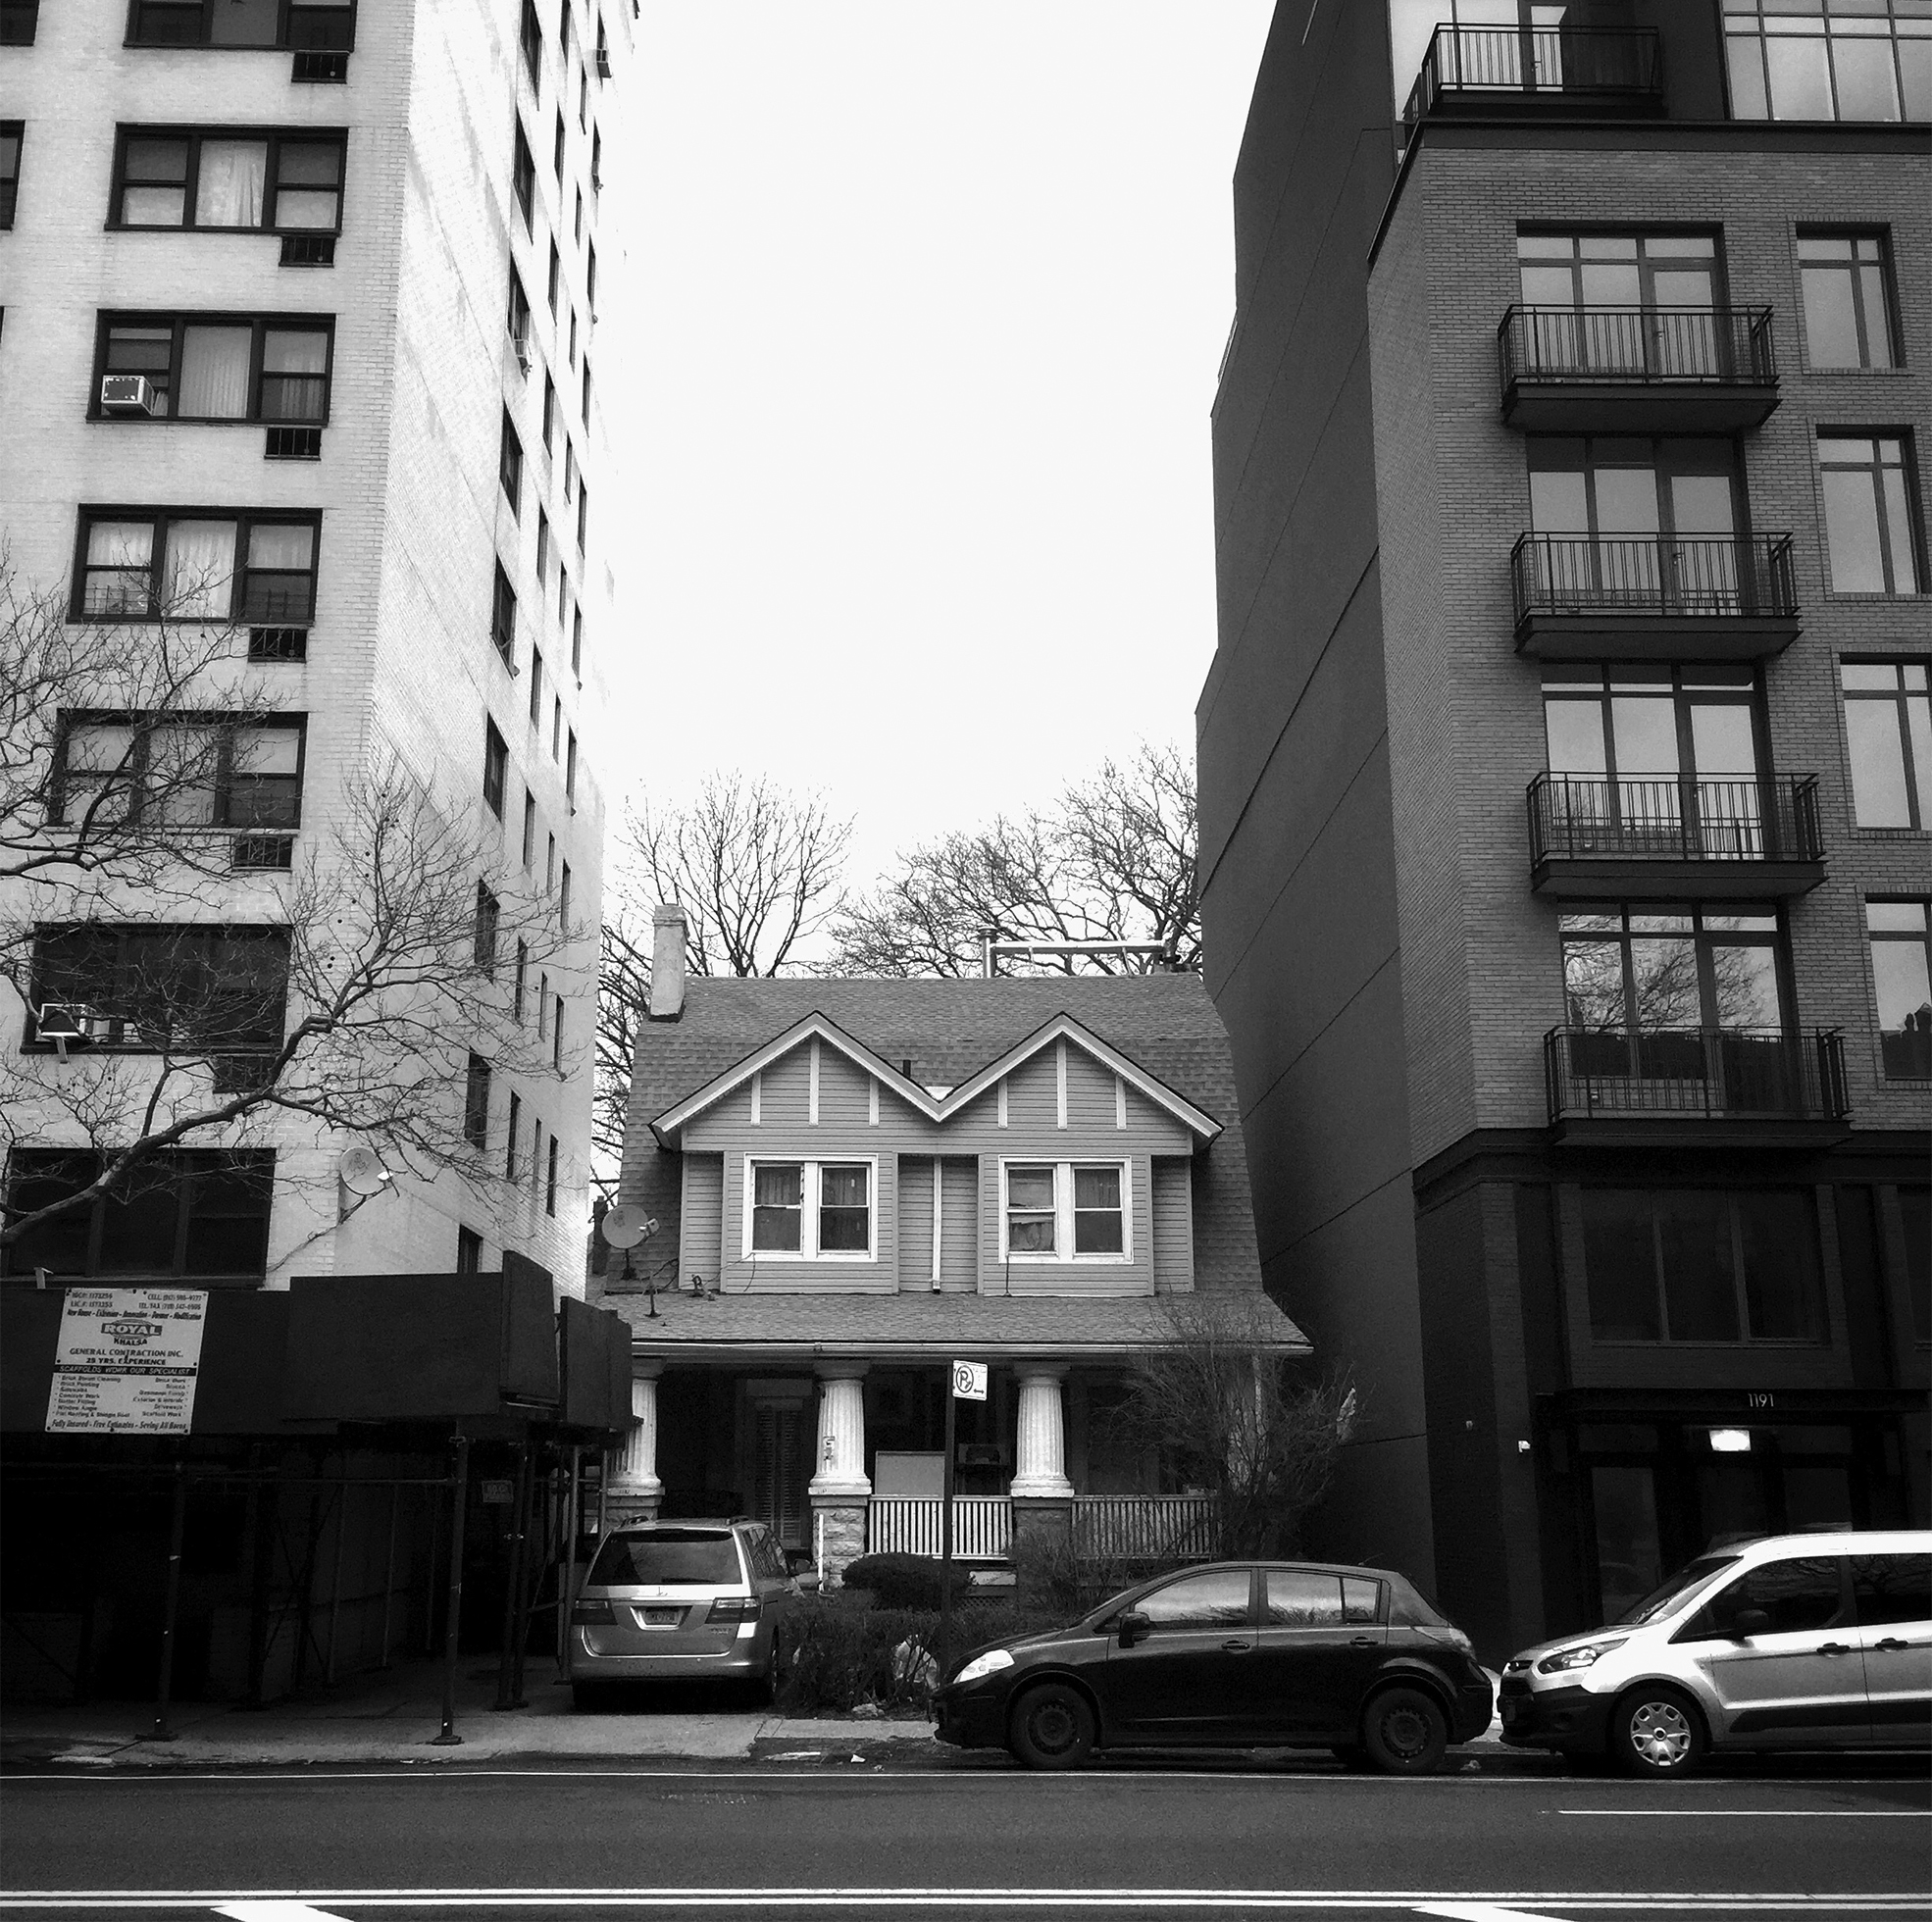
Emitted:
pixel 1689 1072
pixel 1588 816
pixel 1660 575
pixel 1622 346
pixel 911 1525
pixel 1144 1528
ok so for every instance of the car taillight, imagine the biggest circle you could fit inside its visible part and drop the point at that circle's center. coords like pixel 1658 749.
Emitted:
pixel 593 1614
pixel 735 1608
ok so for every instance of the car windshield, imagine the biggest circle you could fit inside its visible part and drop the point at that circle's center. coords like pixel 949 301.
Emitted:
pixel 671 1555
pixel 1660 1602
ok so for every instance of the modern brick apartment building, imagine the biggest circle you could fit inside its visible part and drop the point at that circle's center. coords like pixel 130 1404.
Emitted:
pixel 299 302
pixel 1564 770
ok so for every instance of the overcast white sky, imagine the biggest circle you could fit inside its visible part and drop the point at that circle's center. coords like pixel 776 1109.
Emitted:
pixel 909 364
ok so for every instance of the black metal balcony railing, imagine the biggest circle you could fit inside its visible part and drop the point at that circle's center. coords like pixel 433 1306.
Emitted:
pixel 1702 345
pixel 1663 576
pixel 1687 1073
pixel 1620 64
pixel 1584 817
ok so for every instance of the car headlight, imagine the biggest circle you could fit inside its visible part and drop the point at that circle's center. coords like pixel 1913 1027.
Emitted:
pixel 981 1666
pixel 1580 1657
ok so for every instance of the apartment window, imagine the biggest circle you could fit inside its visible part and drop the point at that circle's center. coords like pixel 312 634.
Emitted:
pixel 835 1223
pixel 187 564
pixel 1645 727
pixel 1691 1265
pixel 518 318
pixel 318 24
pixel 1064 1210
pixel 549 864
pixel 1584 270
pixel 1915 1210
pixel 187 770
pixel 1824 60
pixel 522 176
pixel 573 336
pixel 556 272
pixel 1902 971
pixel 519 978
pixel 570 767
pixel 550 1177
pixel 20 21
pixel 1641 970
pixel 542 551
pixel 577 224
pixel 570 466
pixel 582 517
pixel 556 727
pixel 549 410
pixel 496 764
pixel 468 1251
pixel 535 687
pixel 563 899
pixel 189 1214
pixel 475 1103
pixel 227 179
pixel 563 594
pixel 577 642
pixel 1888 726
pixel 1633 490
pixel 542 1005
pixel 584 98
pixel 584 410
pixel 557 1035
pixel 1872 531
pixel 489 916
pixel 596 160
pixel 148 989
pixel 512 1127
pixel 530 827
pixel 510 465
pixel 1846 283
pixel 12 133
pixel 531 38
pixel 503 616
pixel 207 367
pixel 557 149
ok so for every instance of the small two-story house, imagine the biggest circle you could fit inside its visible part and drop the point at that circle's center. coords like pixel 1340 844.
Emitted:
pixel 857 1183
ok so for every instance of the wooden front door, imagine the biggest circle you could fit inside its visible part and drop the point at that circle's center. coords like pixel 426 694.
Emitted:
pixel 781 1461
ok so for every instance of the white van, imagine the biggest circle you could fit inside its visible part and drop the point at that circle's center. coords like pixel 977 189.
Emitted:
pixel 1817 1640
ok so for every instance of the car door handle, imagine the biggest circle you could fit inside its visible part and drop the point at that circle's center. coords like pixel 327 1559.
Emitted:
pixel 1237 1647
pixel 1891 1642
pixel 1833 1649
pixel 1361 1642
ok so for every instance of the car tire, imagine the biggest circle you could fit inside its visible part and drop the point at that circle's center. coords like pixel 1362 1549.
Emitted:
pixel 1405 1732
pixel 1656 1731
pixel 1052 1727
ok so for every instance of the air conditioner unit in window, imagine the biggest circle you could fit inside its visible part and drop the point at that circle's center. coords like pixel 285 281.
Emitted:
pixel 68 1025
pixel 129 393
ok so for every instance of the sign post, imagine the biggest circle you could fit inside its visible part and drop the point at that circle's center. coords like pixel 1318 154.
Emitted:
pixel 968 1383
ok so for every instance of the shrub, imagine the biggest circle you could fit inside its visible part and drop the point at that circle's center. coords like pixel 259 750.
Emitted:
pixel 900 1580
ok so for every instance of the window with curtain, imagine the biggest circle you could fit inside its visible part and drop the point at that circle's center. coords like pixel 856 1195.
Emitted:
pixel 231 183
pixel 215 367
pixel 209 770
pixel 277 584
pixel 200 578
pixel 206 367
pixel 215 567
pixel 295 374
pixel 227 179
pixel 118 569
pixel 844 1210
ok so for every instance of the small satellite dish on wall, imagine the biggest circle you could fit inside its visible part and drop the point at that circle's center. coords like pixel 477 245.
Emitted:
pixel 362 1172
pixel 626 1225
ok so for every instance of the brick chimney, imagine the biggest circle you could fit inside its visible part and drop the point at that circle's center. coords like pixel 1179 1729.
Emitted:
pixel 667 961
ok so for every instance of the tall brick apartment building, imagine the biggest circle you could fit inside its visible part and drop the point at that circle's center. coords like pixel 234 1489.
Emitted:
pixel 298 308
pixel 1565 770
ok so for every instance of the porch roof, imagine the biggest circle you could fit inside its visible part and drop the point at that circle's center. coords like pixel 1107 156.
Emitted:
pixel 923 1326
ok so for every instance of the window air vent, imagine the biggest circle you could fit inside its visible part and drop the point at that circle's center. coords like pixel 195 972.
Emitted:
pixel 278 643
pixel 308 250
pixel 294 444
pixel 264 851
pixel 321 65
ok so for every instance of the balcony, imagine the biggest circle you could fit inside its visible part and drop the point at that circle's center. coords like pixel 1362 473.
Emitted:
pixel 1589 71
pixel 1655 597
pixel 1710 1087
pixel 1674 839
pixel 1636 370
pixel 1156 1529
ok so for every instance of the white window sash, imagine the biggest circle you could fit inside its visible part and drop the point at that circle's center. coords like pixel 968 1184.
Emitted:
pixel 811 1200
pixel 1063 1213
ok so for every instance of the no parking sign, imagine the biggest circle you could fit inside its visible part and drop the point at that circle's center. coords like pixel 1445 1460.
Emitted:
pixel 969 1381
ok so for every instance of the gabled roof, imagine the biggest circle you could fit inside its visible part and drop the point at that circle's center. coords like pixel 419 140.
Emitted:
pixel 932 1104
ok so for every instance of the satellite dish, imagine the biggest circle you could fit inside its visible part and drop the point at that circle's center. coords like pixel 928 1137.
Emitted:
pixel 626 1224
pixel 362 1172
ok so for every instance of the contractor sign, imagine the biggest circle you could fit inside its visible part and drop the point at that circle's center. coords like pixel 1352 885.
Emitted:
pixel 127 1361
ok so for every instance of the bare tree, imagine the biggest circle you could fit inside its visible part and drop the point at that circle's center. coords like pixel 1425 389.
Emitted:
pixel 624 992
pixel 351 998
pixel 1236 1417
pixel 1111 860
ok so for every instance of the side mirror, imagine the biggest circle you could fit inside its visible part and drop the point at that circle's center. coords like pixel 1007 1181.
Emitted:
pixel 1134 1627
pixel 1750 1621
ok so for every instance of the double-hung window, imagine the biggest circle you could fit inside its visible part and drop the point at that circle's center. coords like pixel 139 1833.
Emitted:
pixel 179 770
pixel 329 24
pixel 248 180
pixel 1888 726
pixel 1065 1211
pixel 510 465
pixel 1871 526
pixel 1846 283
pixel 1829 60
pixel 195 564
pixel 475 1103
pixel 522 176
pixel 496 768
pixel 1900 932
pixel 217 366
pixel 503 616
pixel 517 319
pixel 809 1211
pixel 11 135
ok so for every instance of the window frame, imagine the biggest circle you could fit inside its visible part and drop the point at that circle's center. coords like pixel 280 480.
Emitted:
pixel 523 179
pixel 1759 40
pixel 1064 1251
pixel 496 767
pixel 224 785
pixel 1705 942
pixel 178 320
pixel 195 135
pixel 286 15
pixel 503 614
pixel 1900 697
pixel 475 1103
pixel 1888 281
pixel 510 465
pixel 160 521
pixel 10 182
pixel 811 1182
pixel 1920 937
pixel 1915 542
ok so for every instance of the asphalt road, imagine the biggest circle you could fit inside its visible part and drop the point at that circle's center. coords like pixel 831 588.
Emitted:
pixel 773 1839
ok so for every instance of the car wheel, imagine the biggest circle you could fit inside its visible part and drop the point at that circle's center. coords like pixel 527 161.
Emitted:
pixel 1405 1732
pixel 1656 1731
pixel 1052 1727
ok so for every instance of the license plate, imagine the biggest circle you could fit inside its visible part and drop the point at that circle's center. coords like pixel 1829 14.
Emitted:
pixel 662 1618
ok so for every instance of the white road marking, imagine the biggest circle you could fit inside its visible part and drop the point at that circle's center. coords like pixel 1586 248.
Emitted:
pixel 274 1912
pixel 1456 1911
pixel 1780 1814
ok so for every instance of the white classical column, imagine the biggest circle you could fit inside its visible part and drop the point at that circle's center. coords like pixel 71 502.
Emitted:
pixel 1039 1460
pixel 839 1463
pixel 633 1485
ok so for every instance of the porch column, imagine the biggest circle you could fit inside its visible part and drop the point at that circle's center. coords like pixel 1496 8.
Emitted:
pixel 1039 1456
pixel 636 1493
pixel 839 1488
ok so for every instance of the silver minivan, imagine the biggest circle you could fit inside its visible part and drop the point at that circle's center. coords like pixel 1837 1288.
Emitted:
pixel 1816 1641
pixel 684 1600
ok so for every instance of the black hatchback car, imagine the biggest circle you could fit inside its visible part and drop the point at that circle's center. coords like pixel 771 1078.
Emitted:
pixel 1236 1656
